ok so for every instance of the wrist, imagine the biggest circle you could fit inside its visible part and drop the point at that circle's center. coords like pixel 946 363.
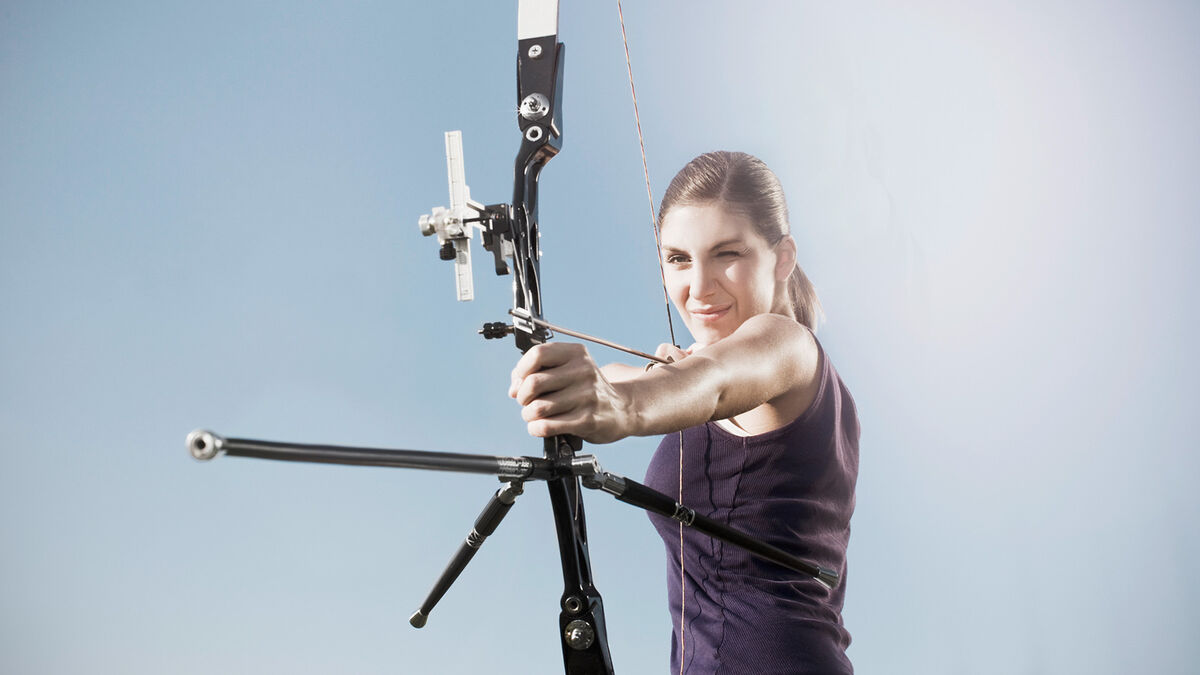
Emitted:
pixel 630 420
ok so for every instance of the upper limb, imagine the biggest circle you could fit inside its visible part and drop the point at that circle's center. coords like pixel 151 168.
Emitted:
pixel 769 361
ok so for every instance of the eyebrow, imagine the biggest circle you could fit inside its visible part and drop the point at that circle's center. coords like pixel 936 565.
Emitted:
pixel 720 244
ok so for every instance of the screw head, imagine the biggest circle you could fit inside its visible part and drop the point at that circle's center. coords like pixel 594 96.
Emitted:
pixel 535 51
pixel 535 106
pixel 579 635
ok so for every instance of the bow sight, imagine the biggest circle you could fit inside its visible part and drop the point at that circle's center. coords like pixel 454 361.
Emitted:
pixel 453 226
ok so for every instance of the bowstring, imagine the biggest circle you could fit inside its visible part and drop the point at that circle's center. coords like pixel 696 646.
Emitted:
pixel 655 225
pixel 646 173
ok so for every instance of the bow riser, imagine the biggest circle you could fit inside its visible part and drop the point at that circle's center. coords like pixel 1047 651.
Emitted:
pixel 539 95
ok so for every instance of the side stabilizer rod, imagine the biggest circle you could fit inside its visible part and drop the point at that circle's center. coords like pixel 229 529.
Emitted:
pixel 635 494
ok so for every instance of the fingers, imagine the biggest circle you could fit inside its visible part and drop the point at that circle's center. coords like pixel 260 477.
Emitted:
pixel 542 358
pixel 553 405
pixel 542 384
pixel 578 422
pixel 566 424
pixel 561 390
pixel 670 352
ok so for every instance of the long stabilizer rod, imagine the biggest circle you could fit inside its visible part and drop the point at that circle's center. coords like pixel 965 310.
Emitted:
pixel 206 445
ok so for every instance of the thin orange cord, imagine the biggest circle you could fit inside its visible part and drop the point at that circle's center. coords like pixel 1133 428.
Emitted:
pixel 682 578
pixel 670 323
pixel 646 172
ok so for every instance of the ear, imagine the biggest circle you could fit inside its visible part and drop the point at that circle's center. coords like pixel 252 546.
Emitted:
pixel 785 258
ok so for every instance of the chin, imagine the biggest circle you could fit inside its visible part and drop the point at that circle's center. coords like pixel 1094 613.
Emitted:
pixel 707 335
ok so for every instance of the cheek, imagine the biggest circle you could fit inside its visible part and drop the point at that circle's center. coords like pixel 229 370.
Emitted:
pixel 742 277
pixel 753 281
pixel 676 287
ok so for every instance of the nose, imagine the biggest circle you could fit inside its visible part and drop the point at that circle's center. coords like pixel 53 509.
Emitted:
pixel 702 282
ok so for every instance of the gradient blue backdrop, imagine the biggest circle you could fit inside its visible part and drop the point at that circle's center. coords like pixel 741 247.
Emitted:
pixel 208 218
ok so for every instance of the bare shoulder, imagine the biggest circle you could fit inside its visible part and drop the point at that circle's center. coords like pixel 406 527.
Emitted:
pixel 788 357
pixel 787 343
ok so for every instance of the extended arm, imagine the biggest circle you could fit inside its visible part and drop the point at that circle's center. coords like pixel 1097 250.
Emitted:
pixel 770 361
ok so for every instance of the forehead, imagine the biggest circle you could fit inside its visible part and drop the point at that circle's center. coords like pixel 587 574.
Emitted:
pixel 702 225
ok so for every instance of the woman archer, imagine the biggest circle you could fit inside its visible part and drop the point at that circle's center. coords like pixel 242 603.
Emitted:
pixel 760 431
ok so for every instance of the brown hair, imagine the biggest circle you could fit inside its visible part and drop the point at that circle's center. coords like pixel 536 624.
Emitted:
pixel 743 185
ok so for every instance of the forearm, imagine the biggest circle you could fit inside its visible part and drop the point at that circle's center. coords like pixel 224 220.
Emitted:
pixel 620 372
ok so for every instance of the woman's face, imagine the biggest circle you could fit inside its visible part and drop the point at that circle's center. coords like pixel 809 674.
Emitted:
pixel 720 271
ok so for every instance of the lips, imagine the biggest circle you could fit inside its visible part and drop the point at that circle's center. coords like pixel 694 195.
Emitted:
pixel 710 314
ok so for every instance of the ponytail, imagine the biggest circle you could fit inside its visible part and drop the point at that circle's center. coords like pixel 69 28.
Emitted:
pixel 806 307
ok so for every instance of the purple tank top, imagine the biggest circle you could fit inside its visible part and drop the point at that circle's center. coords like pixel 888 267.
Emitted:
pixel 794 488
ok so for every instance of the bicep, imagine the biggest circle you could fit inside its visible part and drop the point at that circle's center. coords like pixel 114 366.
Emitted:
pixel 768 359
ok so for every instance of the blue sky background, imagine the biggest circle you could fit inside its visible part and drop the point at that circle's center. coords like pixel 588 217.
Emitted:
pixel 208 219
